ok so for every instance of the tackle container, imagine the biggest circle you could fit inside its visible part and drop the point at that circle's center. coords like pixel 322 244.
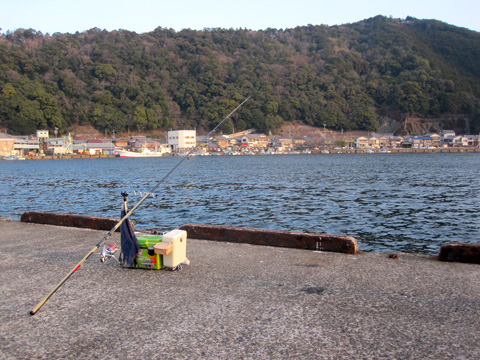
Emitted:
pixel 179 254
pixel 148 259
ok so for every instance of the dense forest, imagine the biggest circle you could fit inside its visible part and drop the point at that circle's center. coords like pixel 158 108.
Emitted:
pixel 341 77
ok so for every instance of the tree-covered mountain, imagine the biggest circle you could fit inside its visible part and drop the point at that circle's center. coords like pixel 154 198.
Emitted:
pixel 341 77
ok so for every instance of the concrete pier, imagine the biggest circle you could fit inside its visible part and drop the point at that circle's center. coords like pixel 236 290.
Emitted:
pixel 277 238
pixel 235 301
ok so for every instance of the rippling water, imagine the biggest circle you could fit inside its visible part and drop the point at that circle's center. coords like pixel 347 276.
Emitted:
pixel 389 202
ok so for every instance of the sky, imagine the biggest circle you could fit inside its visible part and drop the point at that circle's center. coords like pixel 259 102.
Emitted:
pixel 140 16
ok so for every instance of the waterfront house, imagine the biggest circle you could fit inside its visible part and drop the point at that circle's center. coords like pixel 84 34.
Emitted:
pixel 255 140
pixel 407 143
pixel 6 144
pixel 286 143
pixel 79 146
pixel 446 134
pixel 472 140
pixel 421 141
pixel 282 143
pixel 61 145
pixel 55 147
pixel 235 142
pixel 122 142
pixel 458 141
pixel 206 144
pixel 383 140
pixel 26 146
pixel 99 147
pixel 395 141
pixel 202 140
pixel 142 142
pixel 223 142
pixel 135 139
pixel 373 142
pixel 417 141
pixel 448 141
pixel 300 141
pixel 436 139
pixel 361 142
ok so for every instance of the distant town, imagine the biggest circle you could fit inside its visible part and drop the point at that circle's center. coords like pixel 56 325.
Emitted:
pixel 182 142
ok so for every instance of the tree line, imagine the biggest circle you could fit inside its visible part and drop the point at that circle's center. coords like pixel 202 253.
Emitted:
pixel 340 77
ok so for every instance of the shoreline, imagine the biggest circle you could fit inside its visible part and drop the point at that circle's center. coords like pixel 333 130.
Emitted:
pixel 406 151
pixel 333 151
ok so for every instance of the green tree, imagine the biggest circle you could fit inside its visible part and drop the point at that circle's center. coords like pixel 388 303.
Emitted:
pixel 140 118
pixel 8 91
pixel 104 71
pixel 341 76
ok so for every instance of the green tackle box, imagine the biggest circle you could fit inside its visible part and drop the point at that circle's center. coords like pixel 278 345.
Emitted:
pixel 146 260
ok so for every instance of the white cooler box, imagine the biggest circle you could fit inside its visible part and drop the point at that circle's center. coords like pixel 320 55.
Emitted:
pixel 179 252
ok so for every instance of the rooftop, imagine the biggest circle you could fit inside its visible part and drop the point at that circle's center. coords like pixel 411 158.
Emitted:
pixel 6 136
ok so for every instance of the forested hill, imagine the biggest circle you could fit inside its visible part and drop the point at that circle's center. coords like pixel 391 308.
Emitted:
pixel 343 77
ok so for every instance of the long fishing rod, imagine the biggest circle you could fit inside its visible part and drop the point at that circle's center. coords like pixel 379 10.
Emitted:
pixel 117 225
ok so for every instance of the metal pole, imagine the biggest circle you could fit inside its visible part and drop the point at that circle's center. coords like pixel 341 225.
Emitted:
pixel 105 238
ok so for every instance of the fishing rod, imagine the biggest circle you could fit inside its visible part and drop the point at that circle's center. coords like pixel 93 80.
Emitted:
pixel 127 215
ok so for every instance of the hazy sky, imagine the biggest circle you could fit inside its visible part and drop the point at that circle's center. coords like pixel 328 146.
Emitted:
pixel 50 16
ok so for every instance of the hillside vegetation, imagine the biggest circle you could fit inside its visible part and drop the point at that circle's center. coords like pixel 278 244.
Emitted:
pixel 339 77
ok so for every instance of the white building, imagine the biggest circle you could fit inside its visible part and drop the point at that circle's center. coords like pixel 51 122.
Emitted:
pixel 447 134
pixel 182 140
pixel 42 134
pixel 23 145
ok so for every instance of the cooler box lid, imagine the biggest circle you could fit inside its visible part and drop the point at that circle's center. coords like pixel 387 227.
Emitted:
pixel 175 236
pixel 147 240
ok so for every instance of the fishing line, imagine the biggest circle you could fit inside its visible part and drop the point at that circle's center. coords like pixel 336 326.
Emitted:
pixel 141 193
pixel 127 215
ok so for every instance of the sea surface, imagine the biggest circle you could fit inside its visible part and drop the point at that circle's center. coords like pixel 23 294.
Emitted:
pixel 388 202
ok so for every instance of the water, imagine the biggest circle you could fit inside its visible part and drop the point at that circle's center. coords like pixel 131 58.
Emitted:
pixel 389 202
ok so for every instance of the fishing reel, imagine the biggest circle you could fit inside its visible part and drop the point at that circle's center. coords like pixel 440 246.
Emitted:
pixel 109 251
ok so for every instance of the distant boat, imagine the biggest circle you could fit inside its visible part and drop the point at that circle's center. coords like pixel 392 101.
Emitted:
pixel 14 157
pixel 141 153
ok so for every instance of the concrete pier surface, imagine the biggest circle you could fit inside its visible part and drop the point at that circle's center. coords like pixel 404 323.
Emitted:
pixel 235 301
